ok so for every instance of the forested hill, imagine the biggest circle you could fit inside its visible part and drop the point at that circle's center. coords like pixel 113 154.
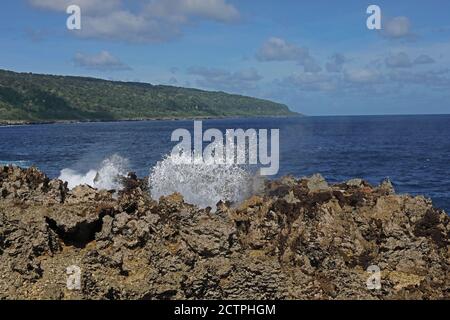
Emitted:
pixel 32 98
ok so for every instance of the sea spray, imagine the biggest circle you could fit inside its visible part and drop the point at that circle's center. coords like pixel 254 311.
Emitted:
pixel 106 176
pixel 202 183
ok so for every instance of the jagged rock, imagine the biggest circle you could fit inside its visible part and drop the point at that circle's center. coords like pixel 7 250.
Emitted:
pixel 30 185
pixel 299 239
pixel 317 183
pixel 355 183
pixel 209 236
pixel 387 187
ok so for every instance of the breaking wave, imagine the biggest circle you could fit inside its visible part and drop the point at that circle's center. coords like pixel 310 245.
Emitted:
pixel 106 176
pixel 202 183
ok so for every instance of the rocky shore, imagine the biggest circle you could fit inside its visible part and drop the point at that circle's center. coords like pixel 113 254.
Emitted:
pixel 299 239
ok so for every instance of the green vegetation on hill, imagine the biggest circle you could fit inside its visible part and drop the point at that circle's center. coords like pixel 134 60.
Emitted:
pixel 33 97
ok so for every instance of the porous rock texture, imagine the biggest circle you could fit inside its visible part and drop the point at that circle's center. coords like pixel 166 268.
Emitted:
pixel 299 239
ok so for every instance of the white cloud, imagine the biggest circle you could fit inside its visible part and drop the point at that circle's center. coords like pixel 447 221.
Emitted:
pixel 308 81
pixel 179 11
pixel 247 75
pixel 402 60
pixel 224 80
pixel 151 21
pixel 87 6
pixel 424 59
pixel 126 26
pixel 277 49
pixel 102 61
pixel 363 76
pixel 336 63
pixel 432 78
pixel 311 65
pixel 399 60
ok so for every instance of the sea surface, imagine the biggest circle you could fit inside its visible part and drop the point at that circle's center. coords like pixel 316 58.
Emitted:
pixel 412 151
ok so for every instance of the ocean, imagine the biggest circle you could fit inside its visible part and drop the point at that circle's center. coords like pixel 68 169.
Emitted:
pixel 412 151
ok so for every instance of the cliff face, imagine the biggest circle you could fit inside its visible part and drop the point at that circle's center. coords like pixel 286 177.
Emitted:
pixel 301 239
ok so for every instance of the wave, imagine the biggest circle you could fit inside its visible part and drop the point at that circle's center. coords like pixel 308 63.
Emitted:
pixel 203 183
pixel 107 176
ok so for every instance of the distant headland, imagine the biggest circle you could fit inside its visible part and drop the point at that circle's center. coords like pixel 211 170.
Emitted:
pixel 36 98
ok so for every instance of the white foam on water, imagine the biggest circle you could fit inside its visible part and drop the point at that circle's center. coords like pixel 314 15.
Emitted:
pixel 202 183
pixel 106 176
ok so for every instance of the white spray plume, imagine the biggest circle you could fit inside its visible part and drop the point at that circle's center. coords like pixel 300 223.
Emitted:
pixel 202 183
pixel 107 176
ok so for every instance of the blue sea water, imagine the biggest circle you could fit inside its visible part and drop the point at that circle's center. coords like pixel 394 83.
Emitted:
pixel 413 151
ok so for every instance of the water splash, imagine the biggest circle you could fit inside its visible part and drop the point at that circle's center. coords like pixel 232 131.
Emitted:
pixel 106 176
pixel 202 183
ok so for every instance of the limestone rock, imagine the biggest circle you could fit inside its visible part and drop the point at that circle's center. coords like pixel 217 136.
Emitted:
pixel 317 183
pixel 299 239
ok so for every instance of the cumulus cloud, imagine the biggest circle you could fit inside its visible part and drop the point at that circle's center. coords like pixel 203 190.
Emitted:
pixel 368 80
pixel 311 65
pixel 102 61
pixel 87 6
pixel 151 21
pixel 308 81
pixel 432 78
pixel 224 80
pixel 363 76
pixel 277 49
pixel 402 60
pixel 353 80
pixel 424 59
pixel 399 60
pixel 336 63
pixel 397 28
pixel 180 10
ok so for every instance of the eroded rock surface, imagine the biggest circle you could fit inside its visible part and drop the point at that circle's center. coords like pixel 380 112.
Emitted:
pixel 300 239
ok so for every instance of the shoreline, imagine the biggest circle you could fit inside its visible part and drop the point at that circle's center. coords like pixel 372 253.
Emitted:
pixel 10 123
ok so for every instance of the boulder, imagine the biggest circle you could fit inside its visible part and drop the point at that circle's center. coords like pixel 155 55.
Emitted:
pixel 317 183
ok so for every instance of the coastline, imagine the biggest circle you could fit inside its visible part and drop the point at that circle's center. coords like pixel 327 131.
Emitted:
pixel 9 123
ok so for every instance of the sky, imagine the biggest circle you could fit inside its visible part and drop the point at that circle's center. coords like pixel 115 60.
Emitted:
pixel 318 57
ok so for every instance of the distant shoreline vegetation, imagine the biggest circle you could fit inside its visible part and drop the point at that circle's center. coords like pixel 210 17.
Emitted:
pixel 27 98
pixel 31 122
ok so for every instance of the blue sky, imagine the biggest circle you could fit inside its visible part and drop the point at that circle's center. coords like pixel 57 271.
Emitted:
pixel 318 56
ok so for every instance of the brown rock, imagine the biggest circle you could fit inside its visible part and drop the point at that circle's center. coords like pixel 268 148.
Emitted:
pixel 300 239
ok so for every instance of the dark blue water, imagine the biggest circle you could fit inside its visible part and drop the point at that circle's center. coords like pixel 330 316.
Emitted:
pixel 413 151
